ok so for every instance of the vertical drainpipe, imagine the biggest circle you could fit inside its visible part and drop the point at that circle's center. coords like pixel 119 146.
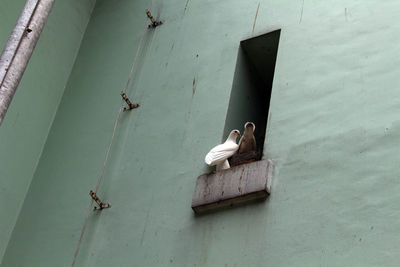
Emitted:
pixel 19 48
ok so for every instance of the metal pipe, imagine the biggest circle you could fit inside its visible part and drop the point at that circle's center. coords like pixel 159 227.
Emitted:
pixel 19 48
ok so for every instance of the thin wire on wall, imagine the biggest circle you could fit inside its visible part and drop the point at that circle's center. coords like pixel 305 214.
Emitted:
pixel 110 144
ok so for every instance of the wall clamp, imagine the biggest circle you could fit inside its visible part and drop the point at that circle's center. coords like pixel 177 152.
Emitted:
pixel 99 202
pixel 154 23
pixel 130 105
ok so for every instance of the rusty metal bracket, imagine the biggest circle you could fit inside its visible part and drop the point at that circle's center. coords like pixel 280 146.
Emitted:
pixel 99 202
pixel 130 105
pixel 154 23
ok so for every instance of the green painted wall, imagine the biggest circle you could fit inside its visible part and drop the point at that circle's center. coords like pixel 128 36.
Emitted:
pixel 333 131
pixel 29 118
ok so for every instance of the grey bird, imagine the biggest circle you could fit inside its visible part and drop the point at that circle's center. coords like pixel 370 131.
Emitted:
pixel 248 142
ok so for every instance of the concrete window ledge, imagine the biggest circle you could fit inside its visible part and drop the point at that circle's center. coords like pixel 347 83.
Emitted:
pixel 237 185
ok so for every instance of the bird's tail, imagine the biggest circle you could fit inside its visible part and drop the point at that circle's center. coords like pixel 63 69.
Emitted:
pixel 209 160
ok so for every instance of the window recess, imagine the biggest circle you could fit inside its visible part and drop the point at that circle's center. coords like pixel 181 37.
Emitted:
pixel 249 177
pixel 251 89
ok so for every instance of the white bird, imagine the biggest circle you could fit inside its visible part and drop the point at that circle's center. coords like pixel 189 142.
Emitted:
pixel 219 155
pixel 248 142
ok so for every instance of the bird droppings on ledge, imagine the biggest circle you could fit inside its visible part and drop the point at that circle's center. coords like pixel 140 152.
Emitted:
pixel 237 185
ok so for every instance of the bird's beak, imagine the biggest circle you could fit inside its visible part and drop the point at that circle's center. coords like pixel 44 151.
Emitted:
pixel 239 134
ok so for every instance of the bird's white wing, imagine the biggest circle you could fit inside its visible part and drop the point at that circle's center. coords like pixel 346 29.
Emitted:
pixel 221 153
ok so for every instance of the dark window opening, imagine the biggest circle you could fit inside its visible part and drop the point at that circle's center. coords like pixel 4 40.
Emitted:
pixel 251 90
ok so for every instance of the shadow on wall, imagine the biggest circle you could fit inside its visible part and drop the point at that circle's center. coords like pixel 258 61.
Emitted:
pixel 252 85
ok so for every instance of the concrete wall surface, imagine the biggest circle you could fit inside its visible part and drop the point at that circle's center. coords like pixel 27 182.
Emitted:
pixel 333 132
pixel 29 118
